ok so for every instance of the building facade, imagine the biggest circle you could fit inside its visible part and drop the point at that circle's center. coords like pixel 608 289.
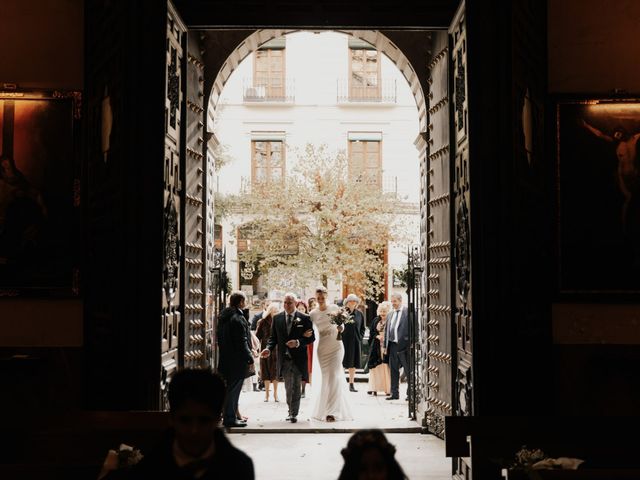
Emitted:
pixel 322 89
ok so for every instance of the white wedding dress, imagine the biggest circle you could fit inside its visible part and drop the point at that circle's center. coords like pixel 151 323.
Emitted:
pixel 329 386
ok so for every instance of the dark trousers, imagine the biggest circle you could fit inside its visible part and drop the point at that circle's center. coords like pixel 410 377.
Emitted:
pixel 396 360
pixel 234 387
pixel 292 385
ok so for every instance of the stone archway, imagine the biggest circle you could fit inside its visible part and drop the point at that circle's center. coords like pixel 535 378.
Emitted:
pixel 224 51
pixel 249 41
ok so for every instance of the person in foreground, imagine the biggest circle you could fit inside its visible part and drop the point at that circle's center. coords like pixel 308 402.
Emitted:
pixel 194 447
pixel 369 456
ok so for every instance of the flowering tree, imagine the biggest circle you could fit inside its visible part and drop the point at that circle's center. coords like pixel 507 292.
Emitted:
pixel 321 223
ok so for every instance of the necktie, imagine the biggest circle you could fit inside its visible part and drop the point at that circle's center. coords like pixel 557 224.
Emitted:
pixel 288 323
pixel 394 325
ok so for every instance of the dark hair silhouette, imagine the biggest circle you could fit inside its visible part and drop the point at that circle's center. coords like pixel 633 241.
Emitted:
pixel 360 443
pixel 202 386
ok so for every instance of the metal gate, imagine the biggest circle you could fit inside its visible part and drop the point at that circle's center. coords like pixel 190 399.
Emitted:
pixel 219 289
pixel 415 301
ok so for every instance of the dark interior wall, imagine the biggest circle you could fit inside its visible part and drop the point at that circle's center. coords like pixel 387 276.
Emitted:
pixel 593 45
pixel 41 43
pixel 41 46
pixel 592 50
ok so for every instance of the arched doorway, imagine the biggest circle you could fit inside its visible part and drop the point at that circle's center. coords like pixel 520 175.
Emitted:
pixel 433 345
pixel 195 61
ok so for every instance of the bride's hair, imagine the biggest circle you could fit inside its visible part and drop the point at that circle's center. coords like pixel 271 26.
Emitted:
pixel 322 289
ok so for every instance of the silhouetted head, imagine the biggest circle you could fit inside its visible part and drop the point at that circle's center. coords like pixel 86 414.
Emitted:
pixel 195 402
pixel 369 456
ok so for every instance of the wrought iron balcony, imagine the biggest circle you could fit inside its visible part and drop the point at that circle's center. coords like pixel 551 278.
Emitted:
pixel 384 92
pixel 260 90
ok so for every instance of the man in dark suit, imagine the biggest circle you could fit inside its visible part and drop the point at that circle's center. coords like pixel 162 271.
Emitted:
pixel 234 343
pixel 396 343
pixel 292 331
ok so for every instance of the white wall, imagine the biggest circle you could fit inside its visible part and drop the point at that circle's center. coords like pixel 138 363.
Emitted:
pixel 315 63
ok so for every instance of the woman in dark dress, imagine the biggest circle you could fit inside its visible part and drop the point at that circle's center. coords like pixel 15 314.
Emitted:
pixel 268 366
pixel 379 375
pixel 352 338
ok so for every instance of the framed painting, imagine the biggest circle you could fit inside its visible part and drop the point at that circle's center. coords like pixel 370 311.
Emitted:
pixel 598 195
pixel 39 193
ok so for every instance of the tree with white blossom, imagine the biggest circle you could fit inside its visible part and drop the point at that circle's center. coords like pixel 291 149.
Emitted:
pixel 321 223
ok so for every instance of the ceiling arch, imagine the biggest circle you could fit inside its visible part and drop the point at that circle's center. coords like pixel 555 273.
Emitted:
pixel 380 40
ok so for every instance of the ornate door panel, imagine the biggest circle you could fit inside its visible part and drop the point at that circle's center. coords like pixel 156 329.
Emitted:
pixel 173 285
pixel 462 318
pixel 462 252
pixel 196 185
pixel 438 329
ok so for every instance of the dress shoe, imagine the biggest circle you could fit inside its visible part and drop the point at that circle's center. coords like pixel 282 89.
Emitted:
pixel 236 424
pixel 293 420
pixel 352 388
pixel 288 418
pixel 392 398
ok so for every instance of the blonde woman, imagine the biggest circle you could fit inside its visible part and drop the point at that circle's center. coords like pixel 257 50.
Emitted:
pixel 269 365
pixel 379 375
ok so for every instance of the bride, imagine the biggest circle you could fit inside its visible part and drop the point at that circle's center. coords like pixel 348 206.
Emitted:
pixel 331 401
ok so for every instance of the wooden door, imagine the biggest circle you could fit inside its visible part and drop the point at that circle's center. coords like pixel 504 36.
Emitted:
pixel 437 377
pixel 174 288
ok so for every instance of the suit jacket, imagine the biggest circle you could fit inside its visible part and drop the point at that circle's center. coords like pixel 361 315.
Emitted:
pixel 279 337
pixel 403 329
pixel 159 463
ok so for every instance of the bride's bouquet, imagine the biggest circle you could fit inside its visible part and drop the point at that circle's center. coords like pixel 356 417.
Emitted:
pixel 340 317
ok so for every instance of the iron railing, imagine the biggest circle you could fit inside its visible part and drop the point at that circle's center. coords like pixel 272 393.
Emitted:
pixel 268 90
pixel 385 91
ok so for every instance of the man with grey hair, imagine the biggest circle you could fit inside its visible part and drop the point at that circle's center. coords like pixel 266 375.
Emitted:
pixel 291 332
pixel 396 343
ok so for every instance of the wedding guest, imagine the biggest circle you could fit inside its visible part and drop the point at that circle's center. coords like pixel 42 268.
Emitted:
pixel 369 455
pixel 269 365
pixel 252 379
pixel 254 324
pixel 352 338
pixel 302 307
pixel 379 375
pixel 258 316
pixel 312 303
pixel 396 343
pixel 193 448
pixel 235 357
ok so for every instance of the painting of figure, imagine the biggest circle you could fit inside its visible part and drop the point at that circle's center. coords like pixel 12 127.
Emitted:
pixel 599 195
pixel 37 211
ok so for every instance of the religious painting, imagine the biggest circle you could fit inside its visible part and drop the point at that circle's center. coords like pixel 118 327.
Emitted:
pixel 39 193
pixel 598 195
